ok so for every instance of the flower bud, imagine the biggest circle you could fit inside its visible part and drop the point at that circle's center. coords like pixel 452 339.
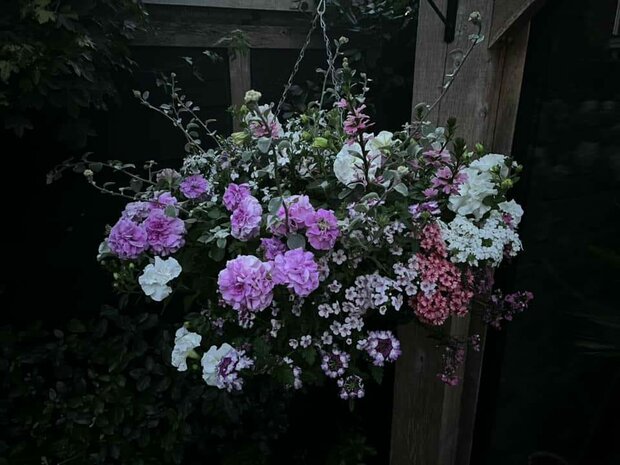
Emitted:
pixel 507 183
pixel 239 138
pixel 252 96
pixel 320 143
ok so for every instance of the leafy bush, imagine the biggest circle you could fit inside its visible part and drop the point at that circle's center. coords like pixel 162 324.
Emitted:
pixel 61 57
pixel 103 392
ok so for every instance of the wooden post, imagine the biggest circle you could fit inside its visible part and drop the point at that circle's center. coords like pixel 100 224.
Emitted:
pixel 432 423
pixel 240 78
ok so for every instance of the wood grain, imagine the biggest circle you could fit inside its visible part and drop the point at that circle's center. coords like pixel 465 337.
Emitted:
pixel 239 66
pixel 270 5
pixel 511 14
pixel 433 424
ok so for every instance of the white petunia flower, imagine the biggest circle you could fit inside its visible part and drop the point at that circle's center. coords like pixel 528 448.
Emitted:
pixel 488 162
pixel 184 343
pixel 210 362
pixel 349 165
pixel 383 140
pixel 155 278
pixel 252 96
pixel 513 209
pixel 471 195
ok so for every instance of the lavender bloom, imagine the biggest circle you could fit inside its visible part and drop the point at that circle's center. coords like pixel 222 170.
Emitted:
pixel 323 231
pixel 298 270
pixel 246 284
pixel 127 239
pixel 165 199
pixel 335 363
pixel 272 247
pixel 300 214
pixel 221 366
pixel 164 233
pixel 234 194
pixel 194 186
pixel 137 211
pixel 417 209
pixel 351 387
pixel 382 347
pixel 245 220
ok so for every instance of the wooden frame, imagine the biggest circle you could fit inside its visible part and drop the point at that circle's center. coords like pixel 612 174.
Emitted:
pixel 270 5
pixel 433 424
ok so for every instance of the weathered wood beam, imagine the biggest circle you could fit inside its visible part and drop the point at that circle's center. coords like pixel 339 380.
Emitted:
pixel 433 424
pixel 511 14
pixel 194 34
pixel 269 5
pixel 240 79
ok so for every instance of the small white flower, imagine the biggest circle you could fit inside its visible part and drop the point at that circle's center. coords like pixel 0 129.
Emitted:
pixel 155 278
pixel 305 341
pixel 184 343
pixel 339 257
pixel 513 209
pixel 210 362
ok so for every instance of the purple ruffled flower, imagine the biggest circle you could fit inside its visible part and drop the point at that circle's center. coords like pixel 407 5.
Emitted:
pixel 234 194
pixel 323 230
pixel 137 211
pixel 165 233
pixel 127 239
pixel 382 347
pixel 246 284
pixel 300 214
pixel 245 220
pixel 272 247
pixel 163 200
pixel 194 186
pixel 297 270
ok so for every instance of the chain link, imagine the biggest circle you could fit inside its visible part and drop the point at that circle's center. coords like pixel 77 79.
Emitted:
pixel 318 18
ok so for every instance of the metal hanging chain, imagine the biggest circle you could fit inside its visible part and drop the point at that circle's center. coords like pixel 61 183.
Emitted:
pixel 302 52
pixel 318 17
pixel 328 49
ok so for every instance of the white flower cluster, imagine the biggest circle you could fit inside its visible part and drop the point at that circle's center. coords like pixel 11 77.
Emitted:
pixel 468 243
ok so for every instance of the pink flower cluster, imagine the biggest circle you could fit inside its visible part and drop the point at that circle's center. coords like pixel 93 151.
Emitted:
pixel 145 226
pixel 357 122
pixel 245 220
pixel 321 226
pixel 246 285
pixel 444 289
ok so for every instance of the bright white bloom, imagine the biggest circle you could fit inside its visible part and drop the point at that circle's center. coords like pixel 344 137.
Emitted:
pixel 469 200
pixel 513 209
pixel 488 162
pixel 252 96
pixel 184 342
pixel 155 278
pixel 383 140
pixel 468 243
pixel 349 165
pixel 211 361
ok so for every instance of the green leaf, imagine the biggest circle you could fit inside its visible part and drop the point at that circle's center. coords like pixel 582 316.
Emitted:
pixel 76 326
pixel 296 241
pixel 401 189
pixel 274 205
pixel 170 211
pixel 263 144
